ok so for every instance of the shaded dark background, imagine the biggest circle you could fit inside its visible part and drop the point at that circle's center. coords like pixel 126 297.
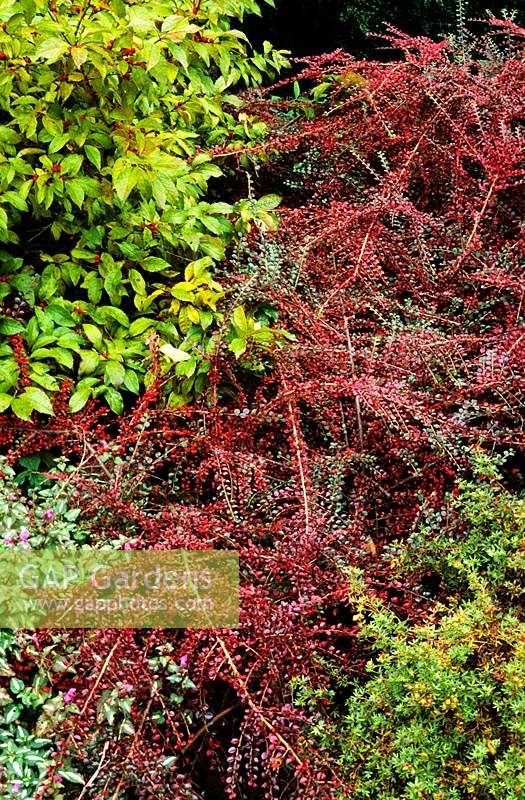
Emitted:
pixel 318 26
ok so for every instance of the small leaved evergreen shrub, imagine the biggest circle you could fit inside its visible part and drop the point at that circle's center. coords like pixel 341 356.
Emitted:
pixel 478 534
pixel 441 713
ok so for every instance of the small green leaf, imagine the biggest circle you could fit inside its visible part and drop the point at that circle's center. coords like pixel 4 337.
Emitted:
pixel 93 283
pixel 5 401
pixel 115 373
pixel 10 327
pixel 17 768
pixel 89 362
pixel 39 400
pixel 13 714
pixel 240 321
pixel 94 335
pixel 51 50
pixel 174 354
pixel 79 398
pixel 114 400
pixel 130 251
pixel 58 142
pixel 71 341
pixel 131 381
pixel 268 202
pixel 238 346
pixel 60 315
pixel 15 200
pixel 114 313
pixel 137 281
pixel 124 184
pixel 187 367
pixel 140 325
pixel 206 318
pixel 71 164
pixel 79 55
pixel 93 155
pixel 75 192
pixel 153 264
pixel 71 776
pixel 182 294
pixel 16 685
pixel 22 407
pixel 45 380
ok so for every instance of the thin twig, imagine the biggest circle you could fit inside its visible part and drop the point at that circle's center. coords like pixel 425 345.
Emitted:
pixel 266 722
pixel 352 368
pixel 302 475
pixel 93 778
pixel 207 725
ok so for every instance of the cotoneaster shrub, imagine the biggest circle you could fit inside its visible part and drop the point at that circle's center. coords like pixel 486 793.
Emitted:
pixel 398 264
pixel 109 226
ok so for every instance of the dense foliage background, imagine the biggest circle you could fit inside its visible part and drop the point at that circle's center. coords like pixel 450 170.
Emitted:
pixel 318 286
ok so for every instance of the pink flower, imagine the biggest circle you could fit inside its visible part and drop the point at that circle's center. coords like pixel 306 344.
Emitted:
pixel 15 786
pixel 49 513
pixel 8 538
pixel 70 695
pixel 24 535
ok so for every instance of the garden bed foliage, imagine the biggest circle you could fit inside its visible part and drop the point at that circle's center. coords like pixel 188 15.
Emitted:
pixel 368 472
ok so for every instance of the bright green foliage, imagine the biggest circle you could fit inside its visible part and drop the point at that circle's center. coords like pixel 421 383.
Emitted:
pixel 479 534
pixel 109 115
pixel 442 713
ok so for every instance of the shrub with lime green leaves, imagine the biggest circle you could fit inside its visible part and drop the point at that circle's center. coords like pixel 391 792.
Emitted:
pixel 442 717
pixel 480 533
pixel 114 118
pixel 440 713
